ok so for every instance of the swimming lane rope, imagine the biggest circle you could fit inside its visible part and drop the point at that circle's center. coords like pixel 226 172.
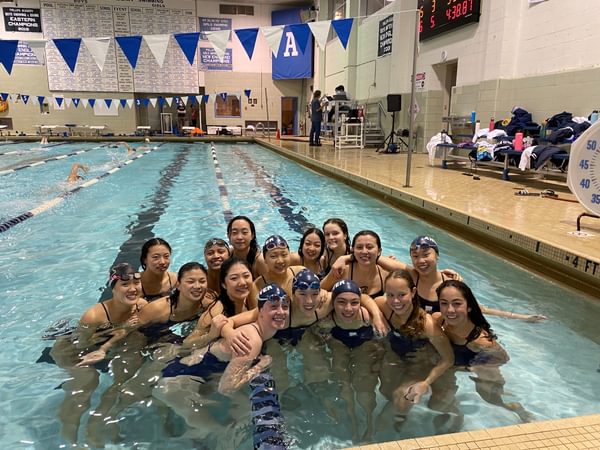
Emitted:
pixel 267 420
pixel 55 201
pixel 44 161
pixel 20 152
pixel 223 194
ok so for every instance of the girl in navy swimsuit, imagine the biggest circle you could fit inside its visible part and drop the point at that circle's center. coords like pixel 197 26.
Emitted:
pixel 157 281
pixel 475 345
pixel 404 364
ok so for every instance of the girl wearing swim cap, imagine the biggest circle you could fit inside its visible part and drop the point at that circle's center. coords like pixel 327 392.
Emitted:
pixel 216 251
pixel 276 254
pixel 102 329
pixel 355 353
pixel 475 345
pixel 310 251
pixel 155 259
pixel 408 357
pixel 182 396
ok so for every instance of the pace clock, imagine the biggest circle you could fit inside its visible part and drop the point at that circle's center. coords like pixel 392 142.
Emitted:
pixel 584 169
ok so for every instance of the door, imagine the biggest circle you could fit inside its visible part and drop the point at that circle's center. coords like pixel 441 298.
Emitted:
pixel 289 115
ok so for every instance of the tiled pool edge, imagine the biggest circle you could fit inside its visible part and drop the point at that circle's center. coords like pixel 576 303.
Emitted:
pixel 572 433
pixel 579 271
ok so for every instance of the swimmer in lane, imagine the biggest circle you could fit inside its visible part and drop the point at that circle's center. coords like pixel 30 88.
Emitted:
pixel 74 175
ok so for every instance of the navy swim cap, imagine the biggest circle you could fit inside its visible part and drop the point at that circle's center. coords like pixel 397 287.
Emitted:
pixel 273 242
pixel 272 293
pixel 306 279
pixel 424 242
pixel 345 286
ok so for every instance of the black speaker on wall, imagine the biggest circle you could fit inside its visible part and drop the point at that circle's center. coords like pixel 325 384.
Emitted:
pixel 394 102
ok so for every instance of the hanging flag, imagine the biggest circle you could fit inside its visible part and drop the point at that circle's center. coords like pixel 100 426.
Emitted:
pixel 98 48
pixel 38 47
pixel 169 100
pixel 205 99
pixel 188 42
pixel 108 102
pixel 158 43
pixel 69 50
pixel 153 101
pixel 40 99
pixel 320 31
pixel 8 50
pixel 76 102
pixel 247 37
pixel 146 102
pixel 4 96
pixel 84 102
pixel 161 101
pixel 184 99
pixel 67 102
pixel 59 101
pixel 123 102
pixel 91 102
pixel 25 98
pixel 273 37
pixel 343 27
pixel 223 96
pixel 247 92
pixel 192 100
pixel 301 33
pixel 130 45
pixel 138 102
pixel 219 40
pixel 130 102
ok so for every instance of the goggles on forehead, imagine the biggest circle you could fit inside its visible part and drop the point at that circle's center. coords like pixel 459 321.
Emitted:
pixel 303 285
pixel 275 242
pixel 215 241
pixel 274 298
pixel 125 277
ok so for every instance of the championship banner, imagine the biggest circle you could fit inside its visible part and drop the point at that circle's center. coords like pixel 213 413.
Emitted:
pixel 292 61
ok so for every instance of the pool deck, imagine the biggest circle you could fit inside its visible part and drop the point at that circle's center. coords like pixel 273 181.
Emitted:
pixel 533 231
pixel 488 213
pixel 574 433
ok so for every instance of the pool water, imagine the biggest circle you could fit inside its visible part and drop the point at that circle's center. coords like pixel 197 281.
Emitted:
pixel 55 266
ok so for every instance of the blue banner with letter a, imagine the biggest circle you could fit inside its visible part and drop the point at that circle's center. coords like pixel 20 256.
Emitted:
pixel 292 60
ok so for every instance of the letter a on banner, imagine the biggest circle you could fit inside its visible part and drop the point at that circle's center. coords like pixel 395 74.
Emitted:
pixel 290 48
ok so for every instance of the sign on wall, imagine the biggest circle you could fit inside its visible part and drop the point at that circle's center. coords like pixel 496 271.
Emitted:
pixel 420 81
pixel 210 61
pixel 213 24
pixel 291 62
pixel 386 32
pixel 22 20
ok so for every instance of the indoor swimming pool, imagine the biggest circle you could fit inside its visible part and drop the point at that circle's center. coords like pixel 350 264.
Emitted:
pixel 55 265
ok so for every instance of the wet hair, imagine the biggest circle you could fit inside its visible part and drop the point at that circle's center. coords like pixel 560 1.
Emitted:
pixel 187 267
pixel 415 324
pixel 365 233
pixel 149 244
pixel 253 242
pixel 340 223
pixel 228 305
pixel 308 232
pixel 474 310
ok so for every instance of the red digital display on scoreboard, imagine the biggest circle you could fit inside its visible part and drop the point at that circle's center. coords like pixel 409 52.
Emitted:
pixel 440 16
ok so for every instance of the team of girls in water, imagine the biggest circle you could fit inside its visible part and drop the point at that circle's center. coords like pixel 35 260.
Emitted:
pixel 359 320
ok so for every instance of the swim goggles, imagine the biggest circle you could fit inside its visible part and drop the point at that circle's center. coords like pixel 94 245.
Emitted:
pixel 273 294
pixel 303 285
pixel 424 242
pixel 125 277
pixel 274 242
pixel 215 241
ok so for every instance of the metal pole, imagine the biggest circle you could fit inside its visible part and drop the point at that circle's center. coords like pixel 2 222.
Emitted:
pixel 411 120
pixel 268 121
